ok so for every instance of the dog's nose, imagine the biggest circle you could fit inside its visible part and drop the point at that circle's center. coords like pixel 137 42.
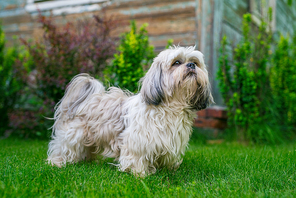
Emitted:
pixel 191 65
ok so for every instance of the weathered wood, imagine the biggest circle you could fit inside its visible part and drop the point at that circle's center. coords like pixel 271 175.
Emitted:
pixel 16 19
pixel 217 36
pixel 285 18
pixel 133 3
pixel 184 39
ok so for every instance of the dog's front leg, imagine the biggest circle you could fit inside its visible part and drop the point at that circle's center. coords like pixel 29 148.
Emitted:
pixel 131 162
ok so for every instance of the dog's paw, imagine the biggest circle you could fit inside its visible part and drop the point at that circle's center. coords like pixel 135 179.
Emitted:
pixel 57 163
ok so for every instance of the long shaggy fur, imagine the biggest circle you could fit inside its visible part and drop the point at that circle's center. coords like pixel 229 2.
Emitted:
pixel 142 132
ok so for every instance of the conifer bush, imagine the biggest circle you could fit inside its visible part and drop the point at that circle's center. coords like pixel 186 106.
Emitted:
pixel 258 85
pixel 245 87
pixel 134 57
pixel 283 78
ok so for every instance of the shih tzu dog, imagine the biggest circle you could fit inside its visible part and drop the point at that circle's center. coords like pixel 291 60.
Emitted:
pixel 142 132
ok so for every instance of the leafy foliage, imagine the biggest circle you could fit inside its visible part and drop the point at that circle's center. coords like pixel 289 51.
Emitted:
pixel 245 87
pixel 29 119
pixel 13 79
pixel 65 52
pixel 134 57
pixel 283 78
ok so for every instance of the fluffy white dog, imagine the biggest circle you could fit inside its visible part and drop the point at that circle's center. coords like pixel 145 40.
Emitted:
pixel 142 132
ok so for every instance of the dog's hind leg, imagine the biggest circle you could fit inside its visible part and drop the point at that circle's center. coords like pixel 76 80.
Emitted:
pixel 68 138
pixel 68 144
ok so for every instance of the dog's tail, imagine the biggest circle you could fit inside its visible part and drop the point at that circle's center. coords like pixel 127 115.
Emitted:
pixel 79 90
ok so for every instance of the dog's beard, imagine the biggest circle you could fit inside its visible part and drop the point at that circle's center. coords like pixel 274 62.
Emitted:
pixel 190 74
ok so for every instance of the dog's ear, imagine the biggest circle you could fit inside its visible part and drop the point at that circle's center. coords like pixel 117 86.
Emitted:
pixel 152 85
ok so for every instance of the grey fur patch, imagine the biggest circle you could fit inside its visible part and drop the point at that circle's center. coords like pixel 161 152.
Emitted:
pixel 203 101
pixel 152 86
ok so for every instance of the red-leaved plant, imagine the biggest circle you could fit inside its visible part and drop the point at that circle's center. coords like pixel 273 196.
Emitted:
pixel 64 51
pixel 67 51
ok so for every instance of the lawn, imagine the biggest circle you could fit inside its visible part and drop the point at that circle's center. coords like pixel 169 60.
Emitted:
pixel 225 170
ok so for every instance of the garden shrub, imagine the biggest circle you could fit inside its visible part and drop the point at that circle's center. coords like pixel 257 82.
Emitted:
pixel 133 59
pixel 245 87
pixel 27 98
pixel 283 78
pixel 13 79
pixel 67 51
pixel 64 52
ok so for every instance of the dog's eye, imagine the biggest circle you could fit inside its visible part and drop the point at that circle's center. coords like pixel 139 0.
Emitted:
pixel 196 64
pixel 176 63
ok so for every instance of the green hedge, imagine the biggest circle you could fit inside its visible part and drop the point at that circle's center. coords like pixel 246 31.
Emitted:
pixel 256 85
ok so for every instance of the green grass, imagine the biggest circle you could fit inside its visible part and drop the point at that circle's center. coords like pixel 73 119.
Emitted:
pixel 227 170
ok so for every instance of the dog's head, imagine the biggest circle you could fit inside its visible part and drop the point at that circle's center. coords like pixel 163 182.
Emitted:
pixel 178 74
